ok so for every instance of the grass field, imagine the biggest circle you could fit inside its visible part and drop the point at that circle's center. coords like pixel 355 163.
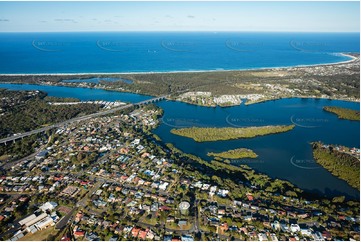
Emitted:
pixel 40 235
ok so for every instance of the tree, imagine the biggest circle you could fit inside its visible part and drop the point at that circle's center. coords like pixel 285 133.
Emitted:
pixel 339 199
pixel 291 194
pixel 50 237
pixel 217 180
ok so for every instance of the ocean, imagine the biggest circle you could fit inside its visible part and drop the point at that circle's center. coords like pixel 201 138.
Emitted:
pixel 124 52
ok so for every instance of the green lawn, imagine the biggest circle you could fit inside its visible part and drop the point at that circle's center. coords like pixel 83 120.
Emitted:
pixel 40 235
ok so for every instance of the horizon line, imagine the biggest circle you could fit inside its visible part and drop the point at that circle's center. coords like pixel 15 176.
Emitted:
pixel 154 31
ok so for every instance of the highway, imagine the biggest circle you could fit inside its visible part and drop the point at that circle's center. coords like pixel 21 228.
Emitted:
pixel 77 119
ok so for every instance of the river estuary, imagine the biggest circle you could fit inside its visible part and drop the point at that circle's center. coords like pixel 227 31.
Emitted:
pixel 286 156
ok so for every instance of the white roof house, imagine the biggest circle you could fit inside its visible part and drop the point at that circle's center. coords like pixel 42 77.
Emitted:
pixel 48 206
pixel 295 228
pixel 163 186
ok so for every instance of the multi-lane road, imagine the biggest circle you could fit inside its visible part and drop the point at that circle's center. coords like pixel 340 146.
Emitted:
pixel 77 119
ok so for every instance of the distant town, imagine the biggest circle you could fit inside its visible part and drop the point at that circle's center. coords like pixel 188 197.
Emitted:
pixel 228 88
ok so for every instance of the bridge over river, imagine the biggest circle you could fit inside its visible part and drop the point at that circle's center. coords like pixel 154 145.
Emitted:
pixel 77 119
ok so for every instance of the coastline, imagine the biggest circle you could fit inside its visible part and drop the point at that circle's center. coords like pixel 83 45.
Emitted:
pixel 352 58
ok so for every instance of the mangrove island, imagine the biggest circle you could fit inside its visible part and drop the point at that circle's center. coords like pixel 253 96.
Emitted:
pixel 227 133
pixel 344 113
pixel 239 153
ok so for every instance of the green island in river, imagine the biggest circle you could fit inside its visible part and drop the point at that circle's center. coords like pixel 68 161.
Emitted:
pixel 340 163
pixel 235 154
pixel 227 133
pixel 344 113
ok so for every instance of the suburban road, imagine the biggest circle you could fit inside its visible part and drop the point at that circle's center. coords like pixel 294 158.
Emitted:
pixel 81 203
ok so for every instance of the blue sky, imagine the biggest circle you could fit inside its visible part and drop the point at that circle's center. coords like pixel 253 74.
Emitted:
pixel 180 16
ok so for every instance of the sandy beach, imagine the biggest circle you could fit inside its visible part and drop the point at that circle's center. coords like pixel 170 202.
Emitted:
pixel 352 59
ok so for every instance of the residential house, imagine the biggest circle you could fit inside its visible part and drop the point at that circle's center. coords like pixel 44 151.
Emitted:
pixel 170 219
pixel 79 234
pixel 295 228
pixel 143 234
pixel 135 231
pixel 182 223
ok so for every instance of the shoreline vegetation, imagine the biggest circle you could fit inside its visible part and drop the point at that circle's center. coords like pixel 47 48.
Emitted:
pixel 239 153
pixel 223 88
pixel 243 172
pixel 200 134
pixel 340 164
pixel 344 113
